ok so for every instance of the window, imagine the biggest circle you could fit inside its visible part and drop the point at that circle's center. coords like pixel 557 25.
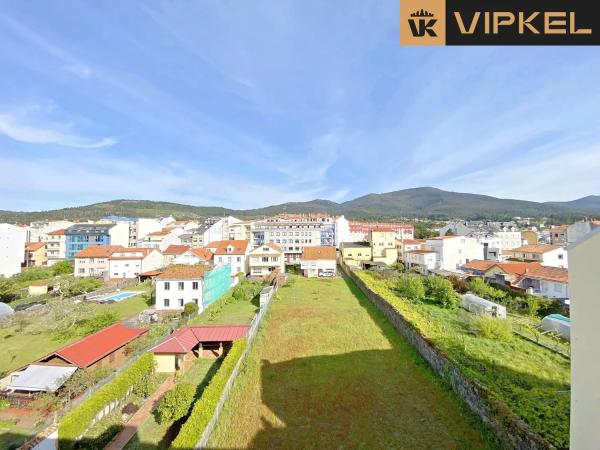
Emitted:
pixel 167 286
pixel 180 285
pixel 195 300
pixel 81 270
pixel 265 259
pixel 195 285
pixel 166 302
pixel 560 256
pixel 180 302
pixel 239 259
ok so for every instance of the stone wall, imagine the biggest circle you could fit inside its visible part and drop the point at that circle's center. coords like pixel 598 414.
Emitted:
pixel 510 430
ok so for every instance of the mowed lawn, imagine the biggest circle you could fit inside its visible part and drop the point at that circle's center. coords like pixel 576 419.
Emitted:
pixel 328 371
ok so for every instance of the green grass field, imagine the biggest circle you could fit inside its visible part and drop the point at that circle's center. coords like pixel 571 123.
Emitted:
pixel 22 347
pixel 532 381
pixel 235 312
pixel 328 371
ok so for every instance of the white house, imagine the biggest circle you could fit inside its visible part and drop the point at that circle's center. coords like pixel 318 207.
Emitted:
pixel 172 252
pixel 160 240
pixel 194 256
pixel 265 259
pixel 547 255
pixel 318 262
pixel 231 252
pixel 585 335
pixel 179 285
pixel 453 252
pixel 422 260
pixel 130 262
pixel 56 246
pixel 12 249
pixel 543 281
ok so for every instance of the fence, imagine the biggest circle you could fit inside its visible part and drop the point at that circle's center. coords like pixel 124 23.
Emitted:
pixel 264 306
pixel 508 427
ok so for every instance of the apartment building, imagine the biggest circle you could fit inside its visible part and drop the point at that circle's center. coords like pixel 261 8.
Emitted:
pixel 558 235
pixel 56 246
pixel 383 245
pixel 234 253
pixel 160 240
pixel 359 231
pixel 408 245
pixel 293 232
pixel 265 259
pixel 37 231
pixel 453 252
pixel 12 243
pixel 80 236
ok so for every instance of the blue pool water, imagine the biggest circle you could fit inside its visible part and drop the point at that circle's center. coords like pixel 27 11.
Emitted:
pixel 118 297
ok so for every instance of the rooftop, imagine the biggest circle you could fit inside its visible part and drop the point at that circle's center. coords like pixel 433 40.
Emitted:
pixel 535 248
pixel 185 339
pixel 548 273
pixel 229 247
pixel 33 246
pixel 184 272
pixel 312 253
pixel 98 251
pixel 176 249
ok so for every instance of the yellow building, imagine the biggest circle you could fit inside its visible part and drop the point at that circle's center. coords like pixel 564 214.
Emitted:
pixel 529 237
pixel 35 254
pixel 383 245
pixel 356 253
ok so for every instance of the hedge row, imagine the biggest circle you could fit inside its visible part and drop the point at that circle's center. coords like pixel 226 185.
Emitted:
pixel 76 422
pixel 203 409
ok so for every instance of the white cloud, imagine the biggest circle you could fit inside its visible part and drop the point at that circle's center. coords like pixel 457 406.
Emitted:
pixel 16 128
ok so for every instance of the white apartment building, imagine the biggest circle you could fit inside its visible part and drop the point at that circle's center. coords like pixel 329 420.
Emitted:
pixel 179 285
pixel 293 232
pixel 12 249
pixel 140 228
pixel 454 251
pixel 37 231
pixel 265 259
pixel 231 252
pixel 56 246
pixel 130 262
pixel 240 231
pixel 160 240
pixel 546 254
pixel 94 261
pixel 359 231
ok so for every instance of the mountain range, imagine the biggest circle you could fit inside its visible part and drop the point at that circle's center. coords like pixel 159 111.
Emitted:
pixel 423 202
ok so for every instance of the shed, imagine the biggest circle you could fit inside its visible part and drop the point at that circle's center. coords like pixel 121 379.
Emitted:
pixel 6 310
pixel 38 288
pixel 481 306
pixel 558 324
pixel 40 377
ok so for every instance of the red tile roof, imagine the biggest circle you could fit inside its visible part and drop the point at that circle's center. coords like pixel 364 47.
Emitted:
pixel 176 249
pixel 135 253
pixel 185 339
pixel 236 247
pixel 548 273
pixel 33 246
pixel 313 253
pixel 56 233
pixel 94 347
pixel 151 273
pixel 516 268
pixel 98 251
pixel 203 253
pixel 478 264
pixel 535 248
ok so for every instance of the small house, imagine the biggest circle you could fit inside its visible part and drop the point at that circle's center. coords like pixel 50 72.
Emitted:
pixel 481 306
pixel 318 262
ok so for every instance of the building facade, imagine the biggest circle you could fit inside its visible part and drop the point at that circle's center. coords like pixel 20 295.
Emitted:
pixel 12 244
pixel 319 262
pixel 81 236
pixel 94 261
pixel 128 263
pixel 35 254
pixel 265 259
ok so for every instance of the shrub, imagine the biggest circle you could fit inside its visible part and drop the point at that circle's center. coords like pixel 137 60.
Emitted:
pixel 411 287
pixel 62 268
pixel 74 423
pixel 8 291
pixel 491 328
pixel 4 404
pixel 441 291
pixel 203 409
pixel 76 286
pixel 459 284
pixel 483 289
pixel 176 403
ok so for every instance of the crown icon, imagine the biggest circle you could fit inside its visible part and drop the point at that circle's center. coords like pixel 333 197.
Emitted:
pixel 421 13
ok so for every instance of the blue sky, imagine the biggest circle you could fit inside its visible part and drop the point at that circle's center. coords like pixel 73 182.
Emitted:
pixel 246 104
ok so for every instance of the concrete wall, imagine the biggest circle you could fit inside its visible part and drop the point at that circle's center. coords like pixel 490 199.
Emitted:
pixel 508 427
pixel 584 284
pixel 12 249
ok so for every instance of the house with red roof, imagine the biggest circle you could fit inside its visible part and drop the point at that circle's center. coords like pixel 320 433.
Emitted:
pixel 129 263
pixel 56 246
pixel 106 347
pixel 35 254
pixel 232 252
pixel 188 343
pixel 265 259
pixel 194 256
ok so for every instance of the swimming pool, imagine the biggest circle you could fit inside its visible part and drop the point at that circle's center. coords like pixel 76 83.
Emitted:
pixel 118 297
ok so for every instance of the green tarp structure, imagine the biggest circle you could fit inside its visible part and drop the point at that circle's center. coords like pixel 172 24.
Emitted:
pixel 216 283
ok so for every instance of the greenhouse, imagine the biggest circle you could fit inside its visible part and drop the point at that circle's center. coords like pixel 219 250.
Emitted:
pixel 481 306
pixel 6 310
pixel 558 324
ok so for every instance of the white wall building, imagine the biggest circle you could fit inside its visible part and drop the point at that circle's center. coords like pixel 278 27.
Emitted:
pixel 179 285
pixel 160 240
pixel 231 252
pixel 12 249
pixel 56 246
pixel 37 231
pixel 140 228
pixel 546 254
pixel 94 261
pixel 265 259
pixel 319 262
pixel 585 336
pixel 130 262
pixel 422 260
pixel 544 281
pixel 454 251
pixel 194 256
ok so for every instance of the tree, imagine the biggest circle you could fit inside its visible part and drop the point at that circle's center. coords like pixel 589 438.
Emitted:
pixel 190 309
pixel 176 403
pixel 62 268
pixel 441 291
pixel 411 287
pixel 7 290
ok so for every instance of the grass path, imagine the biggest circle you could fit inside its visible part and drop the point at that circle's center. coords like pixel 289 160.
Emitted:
pixel 328 371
